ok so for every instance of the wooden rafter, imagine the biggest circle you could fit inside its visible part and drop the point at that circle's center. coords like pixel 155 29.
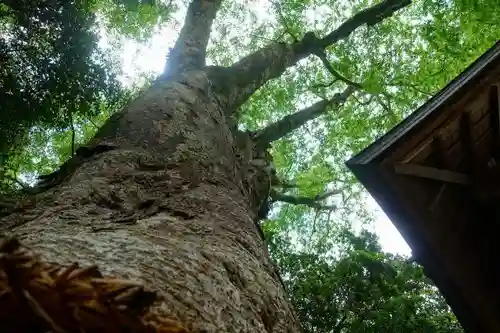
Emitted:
pixel 494 111
pixel 440 152
pixel 442 175
pixel 442 163
pixel 467 142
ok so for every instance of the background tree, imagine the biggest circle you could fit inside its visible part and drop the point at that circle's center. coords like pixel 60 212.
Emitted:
pixel 362 289
pixel 417 52
pixel 54 75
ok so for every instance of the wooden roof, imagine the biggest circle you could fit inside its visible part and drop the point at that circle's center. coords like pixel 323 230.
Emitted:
pixel 436 176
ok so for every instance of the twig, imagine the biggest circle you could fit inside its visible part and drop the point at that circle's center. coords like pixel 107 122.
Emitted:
pixel 313 231
pixel 283 21
pixel 73 134
pixel 320 53
pixel 306 201
pixel 412 86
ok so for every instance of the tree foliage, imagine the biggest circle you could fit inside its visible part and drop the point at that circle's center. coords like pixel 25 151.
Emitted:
pixel 363 290
pixel 54 76
pixel 47 62
pixel 400 63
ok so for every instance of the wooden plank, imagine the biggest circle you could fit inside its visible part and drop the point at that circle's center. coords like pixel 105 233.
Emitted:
pixel 450 130
pixel 439 120
pixel 442 163
pixel 390 148
pixel 479 107
pixel 440 151
pixel 456 153
pixel 462 262
pixel 432 173
pixel 494 110
pixel 482 151
pixel 467 142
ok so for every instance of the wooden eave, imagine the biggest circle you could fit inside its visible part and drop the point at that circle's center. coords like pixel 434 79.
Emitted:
pixel 434 174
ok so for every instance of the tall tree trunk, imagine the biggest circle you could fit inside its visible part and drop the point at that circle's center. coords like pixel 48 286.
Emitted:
pixel 166 195
pixel 168 191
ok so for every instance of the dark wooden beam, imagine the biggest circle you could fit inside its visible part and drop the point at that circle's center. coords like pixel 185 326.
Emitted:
pixel 467 143
pixel 440 152
pixel 442 175
pixel 442 163
pixel 494 110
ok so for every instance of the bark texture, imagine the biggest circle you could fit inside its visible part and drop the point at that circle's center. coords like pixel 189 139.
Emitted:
pixel 246 76
pixel 167 194
pixel 190 49
pixel 288 124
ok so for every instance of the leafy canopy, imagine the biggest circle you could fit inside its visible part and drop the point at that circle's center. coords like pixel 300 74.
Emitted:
pixel 53 73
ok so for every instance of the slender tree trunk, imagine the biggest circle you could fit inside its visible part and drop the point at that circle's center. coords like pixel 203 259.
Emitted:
pixel 166 194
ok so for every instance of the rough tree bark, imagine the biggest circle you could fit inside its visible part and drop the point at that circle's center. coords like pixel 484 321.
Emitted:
pixel 168 191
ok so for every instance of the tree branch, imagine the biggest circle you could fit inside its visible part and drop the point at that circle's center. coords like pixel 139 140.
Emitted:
pixel 322 56
pixel 325 195
pixel 412 86
pixel 313 229
pixel 368 102
pixel 254 70
pixel 286 185
pixel 324 85
pixel 310 202
pixel 282 19
pixel 93 123
pixel 339 77
pixel 279 129
pixel 370 16
pixel 250 73
pixel 190 49
pixel 73 132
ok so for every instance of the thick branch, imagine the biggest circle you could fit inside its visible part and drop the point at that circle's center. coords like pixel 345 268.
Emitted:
pixel 369 16
pixel 291 122
pixel 190 49
pixel 253 71
pixel 314 202
pixel 247 75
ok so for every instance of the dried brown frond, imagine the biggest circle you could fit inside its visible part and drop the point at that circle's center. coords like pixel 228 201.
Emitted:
pixel 39 297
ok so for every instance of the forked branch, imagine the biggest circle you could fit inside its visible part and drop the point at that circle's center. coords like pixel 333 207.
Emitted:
pixel 254 70
pixel 339 77
pixel 190 49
